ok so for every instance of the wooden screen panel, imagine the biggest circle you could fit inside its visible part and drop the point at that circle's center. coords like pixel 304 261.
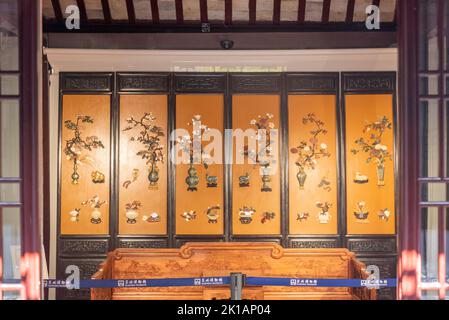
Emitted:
pixel 211 109
pixel 362 110
pixel 320 184
pixel 72 195
pixel 152 198
pixel 244 109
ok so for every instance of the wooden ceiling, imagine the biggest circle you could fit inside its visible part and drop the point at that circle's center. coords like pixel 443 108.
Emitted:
pixel 222 15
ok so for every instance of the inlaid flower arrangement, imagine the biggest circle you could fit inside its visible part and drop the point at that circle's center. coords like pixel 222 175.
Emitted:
pixel 193 147
pixel 375 147
pixel 310 151
pixel 75 147
pixel 265 157
pixel 149 136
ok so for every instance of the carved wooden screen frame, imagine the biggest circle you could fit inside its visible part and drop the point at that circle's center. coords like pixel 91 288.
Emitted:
pixel 88 251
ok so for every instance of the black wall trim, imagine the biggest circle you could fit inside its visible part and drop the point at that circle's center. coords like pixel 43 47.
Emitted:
pixel 83 246
pixel 255 83
pixel 78 82
pixel 143 82
pixel 312 82
pixel 142 243
pixel 307 243
pixel 372 245
pixel 199 83
pixel 381 82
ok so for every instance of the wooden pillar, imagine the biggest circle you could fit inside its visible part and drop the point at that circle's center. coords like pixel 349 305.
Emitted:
pixel 409 262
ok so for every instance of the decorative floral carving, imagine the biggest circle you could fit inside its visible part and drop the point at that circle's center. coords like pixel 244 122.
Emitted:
pixel 95 203
pixel 324 216
pixel 132 211
pixel 361 212
pixel 377 151
pixel 75 146
pixel 150 137
pixel 193 146
pixel 384 214
pixel 264 157
pixel 310 151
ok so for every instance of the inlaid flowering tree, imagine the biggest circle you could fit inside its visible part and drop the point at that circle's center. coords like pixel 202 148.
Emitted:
pixel 264 157
pixel 310 151
pixel 374 146
pixel 149 136
pixel 75 146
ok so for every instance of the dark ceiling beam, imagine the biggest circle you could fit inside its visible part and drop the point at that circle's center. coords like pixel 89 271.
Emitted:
pixel 350 11
pixel 99 26
pixel 57 9
pixel 211 41
pixel 106 11
pixel 326 11
pixel 301 11
pixel 154 11
pixel 252 7
pixel 228 12
pixel 83 12
pixel 179 12
pixel 203 11
pixel 276 11
pixel 131 11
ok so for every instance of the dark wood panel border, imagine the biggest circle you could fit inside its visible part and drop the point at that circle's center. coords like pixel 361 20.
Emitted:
pixel 322 83
pixel 379 247
pixel 86 82
pixel 84 251
pixel 88 251
pixel 143 82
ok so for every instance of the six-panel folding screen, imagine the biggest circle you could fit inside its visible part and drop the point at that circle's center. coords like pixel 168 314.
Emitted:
pixel 307 160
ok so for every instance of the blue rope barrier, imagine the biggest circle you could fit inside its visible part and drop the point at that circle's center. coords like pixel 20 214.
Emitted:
pixel 221 281
pixel 328 283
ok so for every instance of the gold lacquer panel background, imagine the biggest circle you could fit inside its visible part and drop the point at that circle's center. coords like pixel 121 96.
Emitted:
pixel 360 111
pixel 154 198
pixel 211 109
pixel 244 109
pixel 72 195
pixel 305 200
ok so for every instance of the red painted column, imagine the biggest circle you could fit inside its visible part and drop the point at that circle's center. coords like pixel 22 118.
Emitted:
pixel 29 11
pixel 409 262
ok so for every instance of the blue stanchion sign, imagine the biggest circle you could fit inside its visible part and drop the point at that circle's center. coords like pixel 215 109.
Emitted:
pixel 223 281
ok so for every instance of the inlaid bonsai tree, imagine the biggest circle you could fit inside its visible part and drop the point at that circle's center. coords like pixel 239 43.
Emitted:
pixel 75 146
pixel 150 138
pixel 310 151
pixel 374 146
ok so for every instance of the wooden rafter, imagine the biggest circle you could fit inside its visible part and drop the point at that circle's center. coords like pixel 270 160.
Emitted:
pixel 252 11
pixel 57 9
pixel 350 11
pixel 131 11
pixel 228 12
pixel 326 11
pixel 154 11
pixel 276 11
pixel 106 11
pixel 83 12
pixel 179 12
pixel 203 11
pixel 301 11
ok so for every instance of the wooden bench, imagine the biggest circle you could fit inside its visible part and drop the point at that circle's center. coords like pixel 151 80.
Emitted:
pixel 220 259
